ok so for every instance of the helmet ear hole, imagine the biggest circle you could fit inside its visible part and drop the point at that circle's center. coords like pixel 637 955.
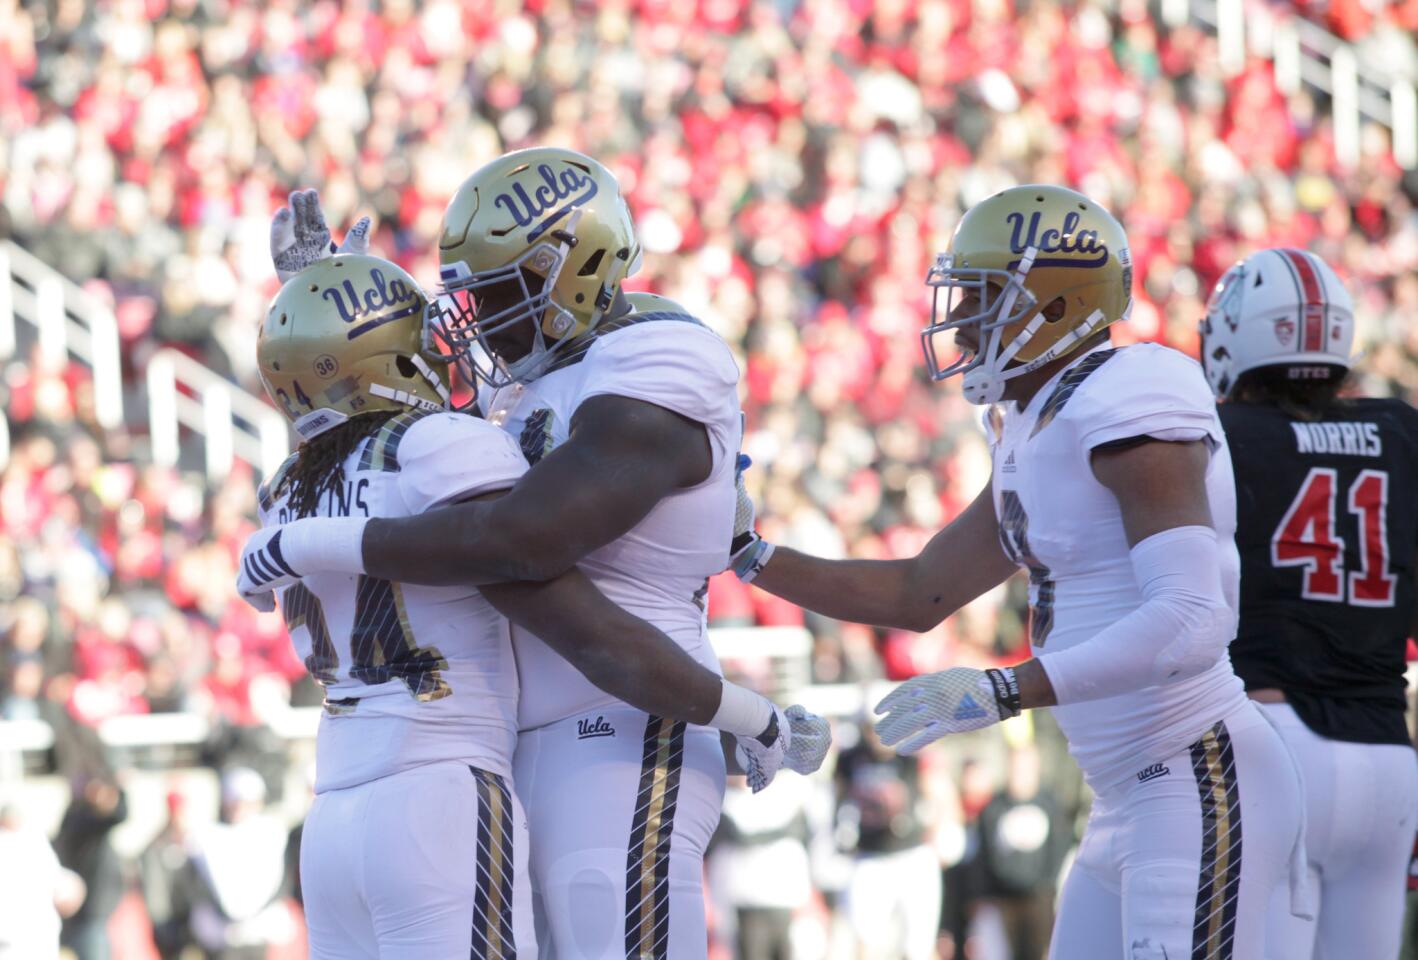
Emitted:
pixel 592 264
pixel 405 366
pixel 1054 310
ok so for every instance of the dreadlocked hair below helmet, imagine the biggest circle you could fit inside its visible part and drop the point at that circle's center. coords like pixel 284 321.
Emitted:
pixel 535 245
pixel 319 467
pixel 1033 272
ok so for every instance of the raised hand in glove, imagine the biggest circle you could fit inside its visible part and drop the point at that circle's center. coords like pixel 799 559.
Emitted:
pixel 300 236
pixel 928 707
pixel 748 552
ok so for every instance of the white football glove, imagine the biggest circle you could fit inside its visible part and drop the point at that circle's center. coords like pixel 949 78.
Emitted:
pixel 300 236
pixel 276 557
pixel 762 756
pixel 748 552
pixel 811 738
pixel 928 707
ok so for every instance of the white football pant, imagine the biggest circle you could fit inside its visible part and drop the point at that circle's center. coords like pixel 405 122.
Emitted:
pixel 620 808
pixel 1180 862
pixel 429 862
pixel 1361 806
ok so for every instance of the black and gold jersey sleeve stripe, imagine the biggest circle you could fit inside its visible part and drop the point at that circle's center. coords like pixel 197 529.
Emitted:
pixel 1066 387
pixel 381 451
pixel 270 491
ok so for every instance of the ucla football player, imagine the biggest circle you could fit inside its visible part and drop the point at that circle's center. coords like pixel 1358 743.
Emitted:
pixel 416 845
pixel 1112 488
pixel 627 410
pixel 1327 529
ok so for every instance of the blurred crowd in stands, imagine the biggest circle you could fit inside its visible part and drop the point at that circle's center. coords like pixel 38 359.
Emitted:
pixel 792 167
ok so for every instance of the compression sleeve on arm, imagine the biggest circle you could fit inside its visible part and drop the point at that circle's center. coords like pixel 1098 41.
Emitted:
pixel 1182 628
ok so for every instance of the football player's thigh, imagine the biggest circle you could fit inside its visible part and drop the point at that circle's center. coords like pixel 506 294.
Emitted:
pixel 1208 845
pixel 1089 925
pixel 331 854
pixel 447 882
pixel 1362 888
pixel 619 823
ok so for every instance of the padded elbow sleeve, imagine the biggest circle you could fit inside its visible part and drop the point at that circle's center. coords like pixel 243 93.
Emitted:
pixel 1181 629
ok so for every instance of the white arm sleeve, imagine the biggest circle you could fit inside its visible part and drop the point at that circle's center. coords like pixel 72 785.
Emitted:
pixel 451 456
pixel 1182 628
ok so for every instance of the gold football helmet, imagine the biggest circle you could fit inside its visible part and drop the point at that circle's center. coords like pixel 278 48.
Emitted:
pixel 653 303
pixel 1012 258
pixel 345 336
pixel 541 238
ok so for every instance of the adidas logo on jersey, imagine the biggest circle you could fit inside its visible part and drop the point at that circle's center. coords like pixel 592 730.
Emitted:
pixel 587 729
pixel 969 709
pixel 1008 463
pixel 1153 772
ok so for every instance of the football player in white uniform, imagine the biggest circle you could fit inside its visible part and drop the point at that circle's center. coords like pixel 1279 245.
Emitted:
pixel 629 417
pixel 415 845
pixel 1327 544
pixel 1112 487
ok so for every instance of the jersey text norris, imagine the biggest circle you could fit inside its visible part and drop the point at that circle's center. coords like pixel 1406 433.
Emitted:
pixel 1344 437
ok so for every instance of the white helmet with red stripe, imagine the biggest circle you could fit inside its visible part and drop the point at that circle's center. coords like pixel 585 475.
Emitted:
pixel 1277 308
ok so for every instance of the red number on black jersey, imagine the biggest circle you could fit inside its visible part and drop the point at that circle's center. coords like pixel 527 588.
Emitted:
pixel 1306 537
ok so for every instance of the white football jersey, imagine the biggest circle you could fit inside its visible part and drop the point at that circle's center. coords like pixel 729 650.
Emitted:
pixel 658 570
pixel 412 675
pixel 1058 522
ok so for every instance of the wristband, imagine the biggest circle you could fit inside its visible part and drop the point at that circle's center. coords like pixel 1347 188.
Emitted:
pixel 1006 690
pixel 742 712
pixel 750 563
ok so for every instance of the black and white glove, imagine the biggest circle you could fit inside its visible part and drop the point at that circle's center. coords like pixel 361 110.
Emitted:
pixel 748 552
pixel 300 236
pixel 761 757
pixel 276 557
pixel 811 738
pixel 928 707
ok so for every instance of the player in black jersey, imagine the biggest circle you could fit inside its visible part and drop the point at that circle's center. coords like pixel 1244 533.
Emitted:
pixel 1327 527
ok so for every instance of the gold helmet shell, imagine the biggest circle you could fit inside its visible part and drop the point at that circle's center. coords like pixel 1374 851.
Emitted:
pixel 546 235
pixel 653 303
pixel 1037 270
pixel 345 336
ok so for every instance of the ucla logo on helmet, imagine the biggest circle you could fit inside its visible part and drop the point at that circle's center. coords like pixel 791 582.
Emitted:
pixel 1067 239
pixel 383 301
pixel 529 208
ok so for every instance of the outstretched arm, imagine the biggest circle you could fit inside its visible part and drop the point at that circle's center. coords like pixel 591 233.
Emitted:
pixel 961 562
pixel 622 457
pixel 1181 628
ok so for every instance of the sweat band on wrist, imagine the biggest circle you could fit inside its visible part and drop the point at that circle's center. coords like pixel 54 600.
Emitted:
pixel 741 712
pixel 338 549
pixel 1006 690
